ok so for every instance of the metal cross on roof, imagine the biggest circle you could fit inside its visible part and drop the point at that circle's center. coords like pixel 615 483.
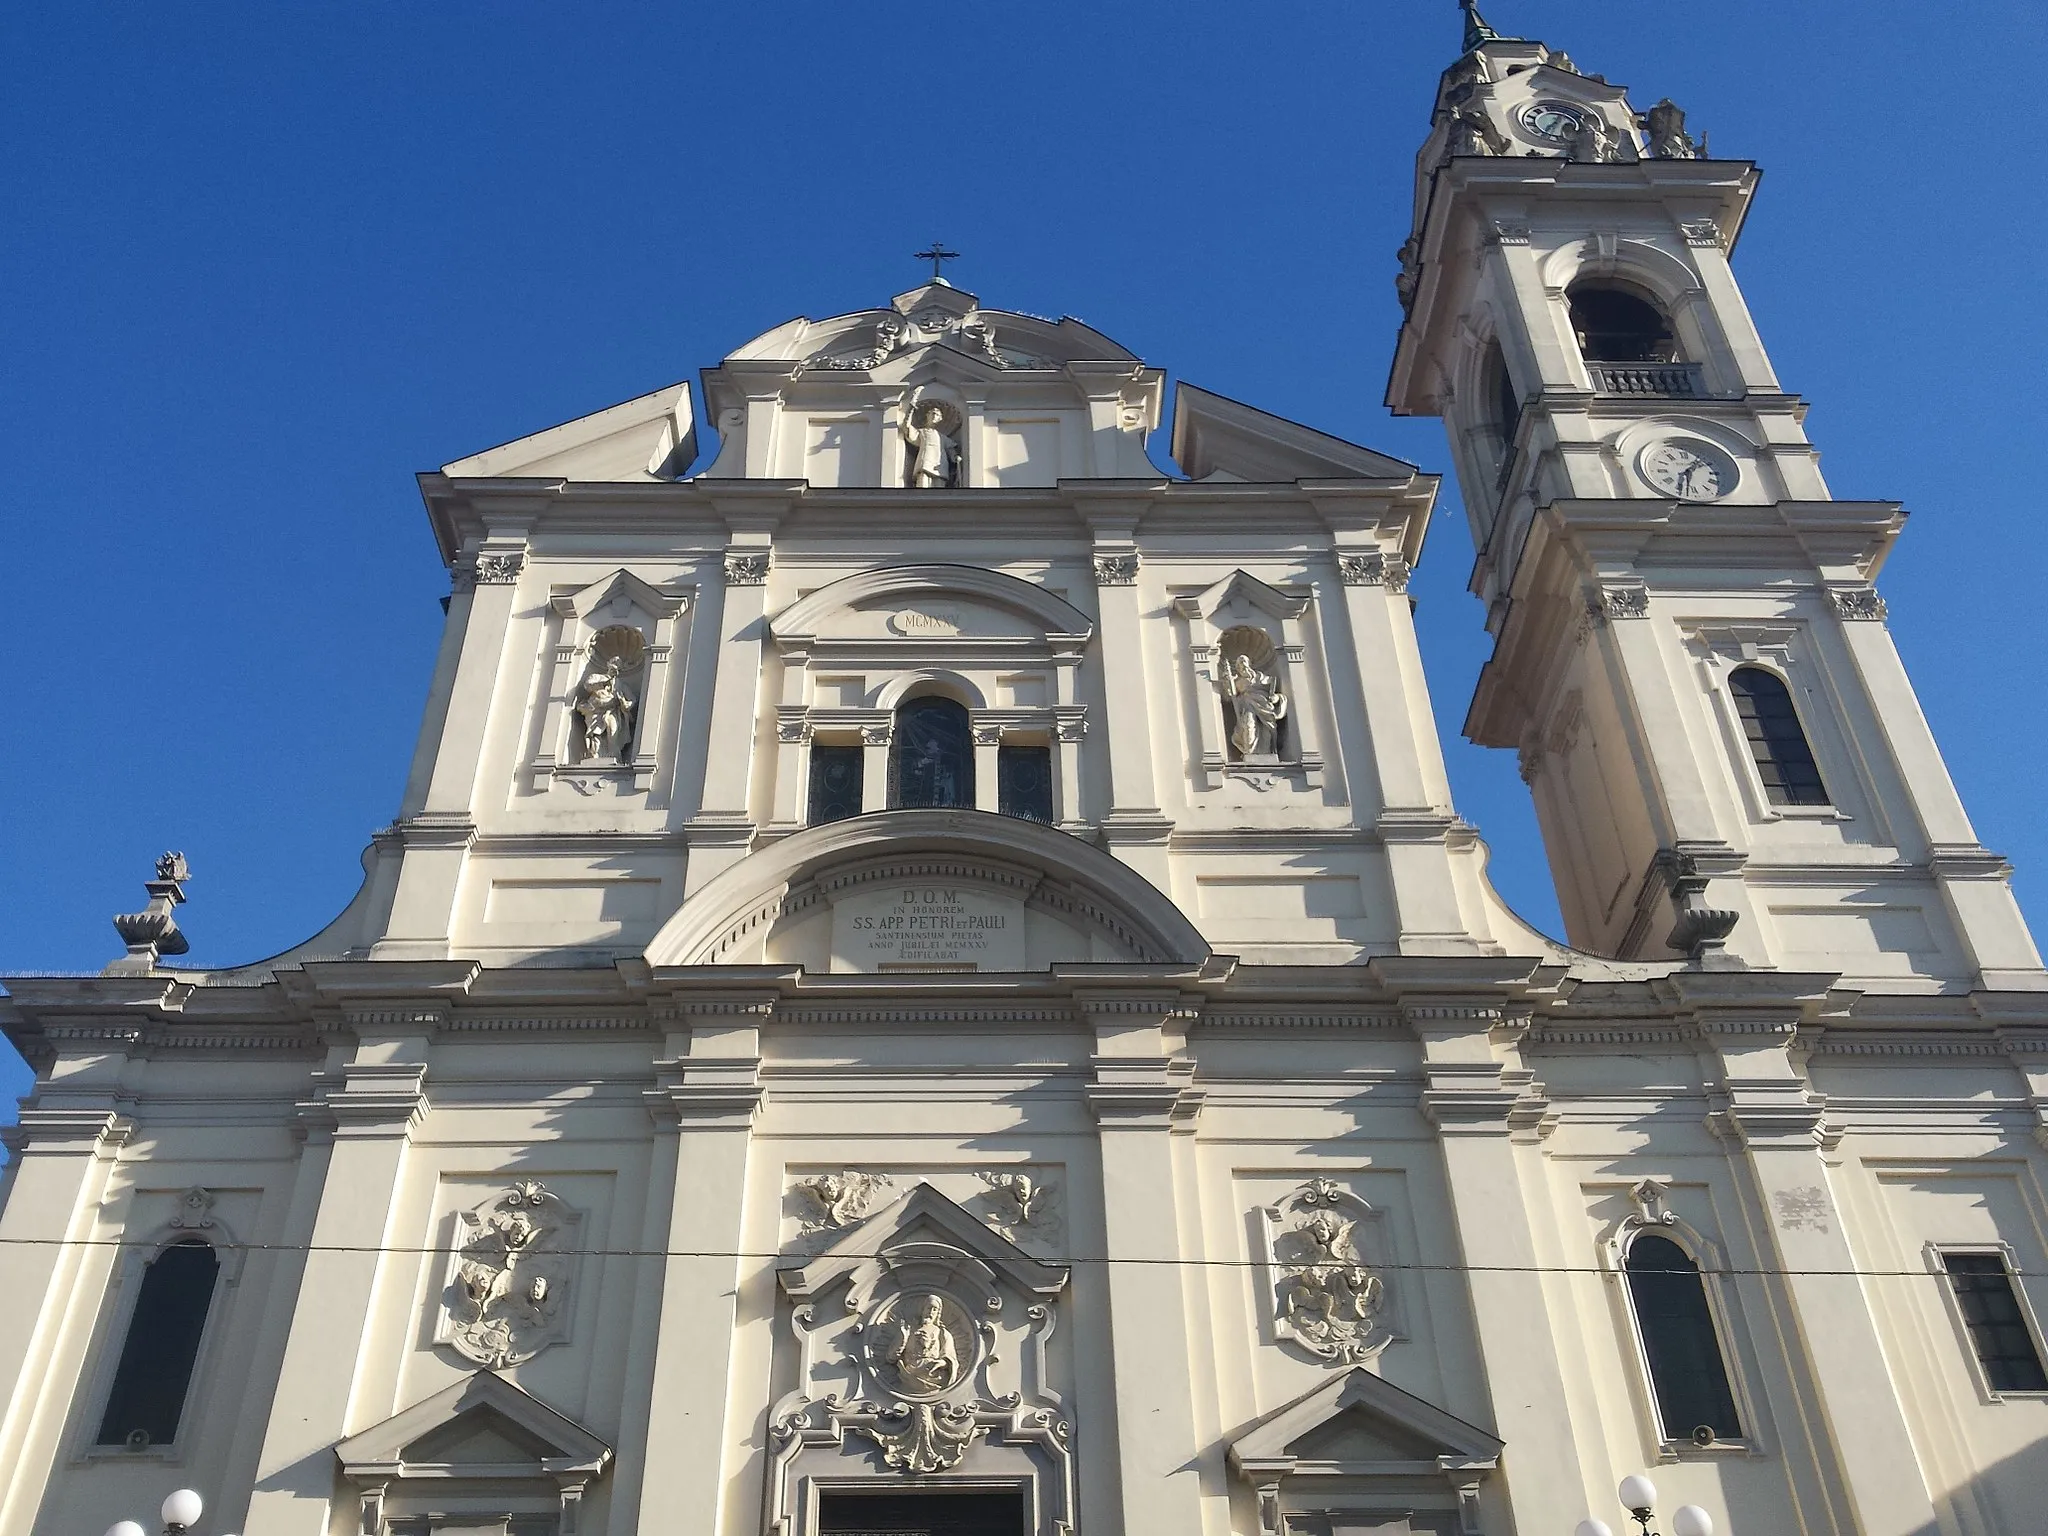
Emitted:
pixel 937 255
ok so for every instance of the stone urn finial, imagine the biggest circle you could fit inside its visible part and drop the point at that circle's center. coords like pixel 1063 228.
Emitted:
pixel 154 930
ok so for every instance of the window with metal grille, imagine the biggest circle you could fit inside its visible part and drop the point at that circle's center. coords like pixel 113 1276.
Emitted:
pixel 1687 1374
pixel 1998 1328
pixel 1024 782
pixel 1777 741
pixel 835 783
pixel 931 756
pixel 162 1347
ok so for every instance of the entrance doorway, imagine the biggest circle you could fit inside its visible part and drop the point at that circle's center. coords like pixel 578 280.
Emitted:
pixel 922 1514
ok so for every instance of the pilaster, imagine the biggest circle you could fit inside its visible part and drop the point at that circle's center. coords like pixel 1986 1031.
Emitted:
pixel 1143 1095
pixel 362 1116
pixel 706 1093
pixel 1766 1113
pixel 67 1144
pixel 723 824
pixel 1477 1102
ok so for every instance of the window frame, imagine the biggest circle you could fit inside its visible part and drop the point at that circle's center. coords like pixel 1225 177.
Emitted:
pixel 893 786
pixel 1781 648
pixel 1794 809
pixel 1723 1311
pixel 810 769
pixel 124 1291
pixel 1990 1396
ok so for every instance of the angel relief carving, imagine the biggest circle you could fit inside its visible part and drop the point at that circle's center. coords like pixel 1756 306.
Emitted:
pixel 829 1201
pixel 509 1276
pixel 1326 1296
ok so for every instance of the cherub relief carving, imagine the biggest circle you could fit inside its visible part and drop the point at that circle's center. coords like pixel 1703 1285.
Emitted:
pixel 1326 1297
pixel 510 1276
pixel 839 1199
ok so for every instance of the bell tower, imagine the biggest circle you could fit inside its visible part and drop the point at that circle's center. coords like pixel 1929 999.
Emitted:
pixel 1690 657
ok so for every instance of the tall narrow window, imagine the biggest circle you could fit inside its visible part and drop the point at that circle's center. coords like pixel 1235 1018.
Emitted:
pixel 1507 406
pixel 835 783
pixel 1998 1329
pixel 1776 739
pixel 1687 1374
pixel 931 758
pixel 155 1371
pixel 1024 782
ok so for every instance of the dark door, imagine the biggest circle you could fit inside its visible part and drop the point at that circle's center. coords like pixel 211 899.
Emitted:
pixel 922 1514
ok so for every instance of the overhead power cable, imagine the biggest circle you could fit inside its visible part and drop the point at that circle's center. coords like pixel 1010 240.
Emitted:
pixel 1733 1271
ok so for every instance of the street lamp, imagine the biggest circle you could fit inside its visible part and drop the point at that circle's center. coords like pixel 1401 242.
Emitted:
pixel 180 1512
pixel 1639 1498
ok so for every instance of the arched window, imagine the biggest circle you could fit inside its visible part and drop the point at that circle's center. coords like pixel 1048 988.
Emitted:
pixel 1776 740
pixel 1614 325
pixel 162 1347
pixel 1687 1374
pixel 931 754
pixel 1507 405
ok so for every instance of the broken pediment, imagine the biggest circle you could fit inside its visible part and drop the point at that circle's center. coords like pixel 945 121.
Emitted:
pixel 652 437
pixel 1215 436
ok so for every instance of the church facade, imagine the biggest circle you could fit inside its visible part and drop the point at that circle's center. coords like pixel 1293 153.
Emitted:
pixel 927 977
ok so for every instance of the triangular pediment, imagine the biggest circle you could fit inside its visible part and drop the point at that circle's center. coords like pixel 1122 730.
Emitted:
pixel 1264 597
pixel 479 1426
pixel 620 591
pixel 652 437
pixel 921 1215
pixel 1353 1423
pixel 1214 435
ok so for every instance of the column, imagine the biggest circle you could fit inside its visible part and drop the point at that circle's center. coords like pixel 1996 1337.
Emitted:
pixel 365 1119
pixel 705 1096
pixel 1748 1022
pixel 1143 1094
pixel 988 746
pixel 1470 1102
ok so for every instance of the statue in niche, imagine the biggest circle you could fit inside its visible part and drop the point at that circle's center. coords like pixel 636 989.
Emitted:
pixel 931 437
pixel 1247 677
pixel 604 709
pixel 1665 126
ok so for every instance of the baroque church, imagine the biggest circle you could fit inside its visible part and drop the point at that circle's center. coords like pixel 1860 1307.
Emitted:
pixel 927 979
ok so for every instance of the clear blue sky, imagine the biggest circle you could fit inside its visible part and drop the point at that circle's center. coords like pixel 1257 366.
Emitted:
pixel 263 262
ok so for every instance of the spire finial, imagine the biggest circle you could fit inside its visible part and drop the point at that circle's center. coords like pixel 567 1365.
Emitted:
pixel 1476 29
pixel 937 255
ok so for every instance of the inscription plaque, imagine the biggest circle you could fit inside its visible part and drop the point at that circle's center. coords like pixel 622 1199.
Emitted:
pixel 928 926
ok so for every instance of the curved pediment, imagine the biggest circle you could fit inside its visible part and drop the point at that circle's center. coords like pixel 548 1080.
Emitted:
pixel 931 602
pixel 928 890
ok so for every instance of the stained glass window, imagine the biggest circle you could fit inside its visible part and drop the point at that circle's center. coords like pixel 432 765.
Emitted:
pixel 931 757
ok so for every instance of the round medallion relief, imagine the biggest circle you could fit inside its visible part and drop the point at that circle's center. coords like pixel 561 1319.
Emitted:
pixel 921 1344
pixel 1687 469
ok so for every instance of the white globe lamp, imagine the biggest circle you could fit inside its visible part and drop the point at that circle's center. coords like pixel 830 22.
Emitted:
pixel 126 1528
pixel 1691 1520
pixel 1638 1493
pixel 183 1509
pixel 1592 1528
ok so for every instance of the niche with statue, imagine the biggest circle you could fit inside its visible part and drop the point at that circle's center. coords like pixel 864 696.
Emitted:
pixel 606 685
pixel 1246 645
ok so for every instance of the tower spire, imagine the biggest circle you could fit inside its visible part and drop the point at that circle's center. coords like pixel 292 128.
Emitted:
pixel 1476 29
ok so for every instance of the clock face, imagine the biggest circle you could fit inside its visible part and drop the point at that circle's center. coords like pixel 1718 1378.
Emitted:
pixel 1552 120
pixel 1688 471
